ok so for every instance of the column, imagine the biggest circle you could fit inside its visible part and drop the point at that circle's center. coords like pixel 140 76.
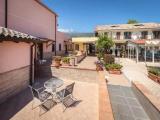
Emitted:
pixel 137 54
pixel 153 54
pixel 113 50
pixel 145 53
pixel 128 51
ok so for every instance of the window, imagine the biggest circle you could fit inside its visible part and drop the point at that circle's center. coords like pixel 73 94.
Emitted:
pixel 144 34
pixel 53 47
pixel 118 34
pixel 76 47
pixel 59 47
pixel 156 34
pixel 127 35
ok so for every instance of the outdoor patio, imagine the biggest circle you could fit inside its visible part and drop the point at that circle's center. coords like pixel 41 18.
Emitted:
pixel 86 107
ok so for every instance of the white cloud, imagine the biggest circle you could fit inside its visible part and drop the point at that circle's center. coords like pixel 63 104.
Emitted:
pixel 66 30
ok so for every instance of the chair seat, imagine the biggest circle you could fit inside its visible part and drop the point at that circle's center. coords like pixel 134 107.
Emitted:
pixel 47 105
pixel 68 101
pixel 44 95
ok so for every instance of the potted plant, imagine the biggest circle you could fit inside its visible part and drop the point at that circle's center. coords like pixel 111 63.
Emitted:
pixel 66 61
pixel 113 68
pixel 154 74
pixel 57 61
pixel 99 66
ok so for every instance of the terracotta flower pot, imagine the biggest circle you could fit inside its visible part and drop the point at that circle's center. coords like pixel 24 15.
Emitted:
pixel 115 71
pixel 57 63
pixel 99 68
pixel 66 64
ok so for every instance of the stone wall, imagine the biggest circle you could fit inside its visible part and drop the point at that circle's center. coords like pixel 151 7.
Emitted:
pixel 13 82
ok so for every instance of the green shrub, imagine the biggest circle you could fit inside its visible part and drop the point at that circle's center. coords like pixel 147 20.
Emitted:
pixel 154 70
pixel 109 59
pixel 99 56
pixel 66 60
pixel 113 66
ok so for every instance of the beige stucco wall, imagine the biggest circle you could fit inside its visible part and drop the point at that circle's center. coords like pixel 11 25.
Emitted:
pixel 14 55
pixel 30 17
pixel 2 13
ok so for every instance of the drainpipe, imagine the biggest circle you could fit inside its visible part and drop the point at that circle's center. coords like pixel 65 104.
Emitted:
pixel 32 64
pixel 6 13
pixel 55 33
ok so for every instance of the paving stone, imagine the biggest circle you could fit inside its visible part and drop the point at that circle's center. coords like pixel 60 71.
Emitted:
pixel 124 117
pixel 116 92
pixel 119 100
pixel 139 113
pixel 133 102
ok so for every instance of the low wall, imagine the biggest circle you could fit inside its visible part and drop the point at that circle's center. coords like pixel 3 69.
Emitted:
pixel 79 58
pixel 149 102
pixel 13 82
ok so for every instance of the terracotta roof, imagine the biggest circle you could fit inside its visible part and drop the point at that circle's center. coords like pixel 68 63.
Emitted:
pixel 128 26
pixel 140 42
pixel 46 7
pixel 15 35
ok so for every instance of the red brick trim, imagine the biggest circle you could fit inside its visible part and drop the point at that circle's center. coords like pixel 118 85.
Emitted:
pixel 105 109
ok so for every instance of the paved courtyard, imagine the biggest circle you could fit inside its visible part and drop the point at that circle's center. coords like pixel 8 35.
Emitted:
pixel 76 74
pixel 19 107
pixel 88 63
pixel 124 103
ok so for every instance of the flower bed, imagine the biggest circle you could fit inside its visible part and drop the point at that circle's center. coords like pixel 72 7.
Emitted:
pixel 113 68
pixel 154 74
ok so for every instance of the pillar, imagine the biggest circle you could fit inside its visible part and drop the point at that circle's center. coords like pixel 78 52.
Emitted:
pixel 153 54
pixel 145 53
pixel 128 51
pixel 137 54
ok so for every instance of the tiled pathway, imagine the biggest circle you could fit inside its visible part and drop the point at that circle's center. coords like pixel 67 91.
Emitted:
pixel 88 63
pixel 124 103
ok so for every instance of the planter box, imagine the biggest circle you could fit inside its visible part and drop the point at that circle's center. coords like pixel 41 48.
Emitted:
pixel 117 72
pixel 154 77
pixel 65 64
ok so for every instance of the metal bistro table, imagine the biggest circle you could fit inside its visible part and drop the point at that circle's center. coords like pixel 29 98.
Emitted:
pixel 53 82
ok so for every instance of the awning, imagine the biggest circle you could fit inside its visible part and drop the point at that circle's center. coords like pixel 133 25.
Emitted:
pixel 153 43
pixel 139 42
pixel 84 39
pixel 12 35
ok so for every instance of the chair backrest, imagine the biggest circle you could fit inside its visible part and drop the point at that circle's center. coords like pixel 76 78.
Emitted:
pixel 69 89
pixel 35 92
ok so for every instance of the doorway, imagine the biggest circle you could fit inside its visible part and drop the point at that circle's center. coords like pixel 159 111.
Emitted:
pixel 91 50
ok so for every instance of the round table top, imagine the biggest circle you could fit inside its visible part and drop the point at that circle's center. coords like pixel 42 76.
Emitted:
pixel 54 81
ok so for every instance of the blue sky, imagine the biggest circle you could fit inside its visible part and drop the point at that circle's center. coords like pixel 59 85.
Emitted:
pixel 84 15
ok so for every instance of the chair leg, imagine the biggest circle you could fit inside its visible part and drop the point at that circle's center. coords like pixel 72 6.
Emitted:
pixel 32 104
